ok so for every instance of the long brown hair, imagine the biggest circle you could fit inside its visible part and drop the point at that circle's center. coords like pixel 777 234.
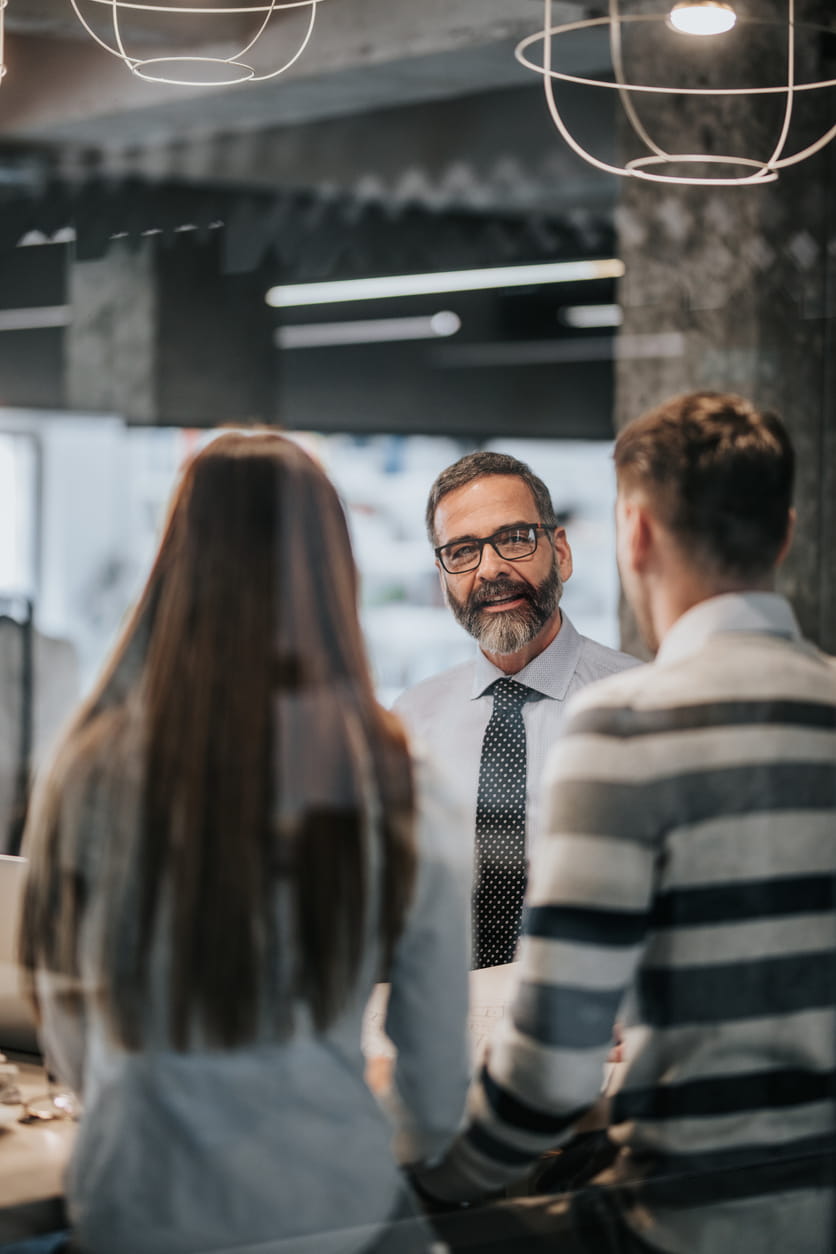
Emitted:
pixel 231 760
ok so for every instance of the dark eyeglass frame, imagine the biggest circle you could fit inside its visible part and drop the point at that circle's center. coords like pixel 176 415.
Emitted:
pixel 494 541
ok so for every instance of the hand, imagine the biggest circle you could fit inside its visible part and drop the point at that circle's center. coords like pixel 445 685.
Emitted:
pixel 379 1072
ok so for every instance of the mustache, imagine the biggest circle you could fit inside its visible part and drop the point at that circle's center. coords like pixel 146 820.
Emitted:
pixel 500 588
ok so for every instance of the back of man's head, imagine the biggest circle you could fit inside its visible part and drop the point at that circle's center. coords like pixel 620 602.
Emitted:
pixel 480 465
pixel 719 476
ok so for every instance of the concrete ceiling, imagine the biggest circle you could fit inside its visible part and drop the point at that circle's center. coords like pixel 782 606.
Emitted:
pixel 364 54
pixel 393 100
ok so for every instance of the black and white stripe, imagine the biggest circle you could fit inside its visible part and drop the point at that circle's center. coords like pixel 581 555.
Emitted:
pixel 685 882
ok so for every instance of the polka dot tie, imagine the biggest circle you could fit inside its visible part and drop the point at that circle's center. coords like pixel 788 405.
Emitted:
pixel 500 863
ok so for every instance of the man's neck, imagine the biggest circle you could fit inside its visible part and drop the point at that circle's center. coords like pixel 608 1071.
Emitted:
pixel 512 663
pixel 683 596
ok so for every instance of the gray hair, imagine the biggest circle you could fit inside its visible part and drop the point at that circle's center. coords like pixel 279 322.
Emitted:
pixel 480 465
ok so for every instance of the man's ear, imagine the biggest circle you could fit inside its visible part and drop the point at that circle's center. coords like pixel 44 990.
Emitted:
pixel 441 579
pixel 635 533
pixel 563 552
pixel 792 519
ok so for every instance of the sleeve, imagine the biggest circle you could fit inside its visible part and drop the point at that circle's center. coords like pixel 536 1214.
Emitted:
pixel 62 1031
pixel 428 1002
pixel 408 709
pixel 587 910
pixel 68 798
pixel 59 1003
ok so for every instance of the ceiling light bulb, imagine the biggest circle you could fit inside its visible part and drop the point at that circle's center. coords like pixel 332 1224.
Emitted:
pixel 702 17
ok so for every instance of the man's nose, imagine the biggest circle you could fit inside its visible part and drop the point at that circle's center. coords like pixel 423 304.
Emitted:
pixel 492 564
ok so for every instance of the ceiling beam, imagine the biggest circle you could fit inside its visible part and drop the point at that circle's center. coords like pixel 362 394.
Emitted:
pixel 493 151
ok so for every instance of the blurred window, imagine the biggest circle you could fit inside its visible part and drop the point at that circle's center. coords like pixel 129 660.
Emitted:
pixel 18 513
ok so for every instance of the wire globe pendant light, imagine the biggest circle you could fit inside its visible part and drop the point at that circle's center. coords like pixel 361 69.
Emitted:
pixel 658 163
pixel 195 70
pixel 3 4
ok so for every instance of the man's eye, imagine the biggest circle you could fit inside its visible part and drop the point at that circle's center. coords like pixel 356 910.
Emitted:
pixel 518 535
pixel 463 552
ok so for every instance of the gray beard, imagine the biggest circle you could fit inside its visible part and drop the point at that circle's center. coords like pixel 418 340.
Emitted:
pixel 508 631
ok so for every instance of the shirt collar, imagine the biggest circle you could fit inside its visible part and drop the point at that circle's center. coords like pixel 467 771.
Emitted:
pixel 764 612
pixel 549 673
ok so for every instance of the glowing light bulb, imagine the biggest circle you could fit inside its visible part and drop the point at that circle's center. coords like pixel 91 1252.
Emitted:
pixel 702 17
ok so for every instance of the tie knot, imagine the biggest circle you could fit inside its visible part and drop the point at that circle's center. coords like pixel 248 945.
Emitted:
pixel 509 695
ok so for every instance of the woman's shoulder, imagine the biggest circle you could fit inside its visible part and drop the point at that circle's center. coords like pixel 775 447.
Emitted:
pixel 95 763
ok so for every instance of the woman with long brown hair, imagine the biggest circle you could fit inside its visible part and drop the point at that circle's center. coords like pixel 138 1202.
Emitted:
pixel 230 848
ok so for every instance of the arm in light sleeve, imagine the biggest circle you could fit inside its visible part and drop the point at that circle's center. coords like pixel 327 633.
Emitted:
pixel 57 986
pixel 61 1030
pixel 428 1002
pixel 589 895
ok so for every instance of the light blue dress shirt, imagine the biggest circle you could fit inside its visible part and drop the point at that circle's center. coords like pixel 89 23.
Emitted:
pixel 447 714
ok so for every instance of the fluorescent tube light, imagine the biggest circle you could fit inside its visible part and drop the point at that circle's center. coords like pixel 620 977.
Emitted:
pixel 34 319
pixel 583 316
pixel 391 285
pixel 368 331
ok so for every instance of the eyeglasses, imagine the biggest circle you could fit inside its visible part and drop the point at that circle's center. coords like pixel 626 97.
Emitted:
pixel 511 543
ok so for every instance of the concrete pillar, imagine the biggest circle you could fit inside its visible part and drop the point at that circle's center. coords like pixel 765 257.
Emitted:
pixel 743 278
pixel 160 335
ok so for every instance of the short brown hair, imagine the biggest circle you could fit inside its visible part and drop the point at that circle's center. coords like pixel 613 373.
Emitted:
pixel 480 465
pixel 720 475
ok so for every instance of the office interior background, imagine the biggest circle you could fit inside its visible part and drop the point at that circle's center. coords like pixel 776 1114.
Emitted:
pixel 390 252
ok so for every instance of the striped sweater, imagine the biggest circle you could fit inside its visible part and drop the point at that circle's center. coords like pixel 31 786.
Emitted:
pixel 684 885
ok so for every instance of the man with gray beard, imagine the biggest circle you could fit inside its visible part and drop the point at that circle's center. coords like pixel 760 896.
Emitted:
pixel 502 559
